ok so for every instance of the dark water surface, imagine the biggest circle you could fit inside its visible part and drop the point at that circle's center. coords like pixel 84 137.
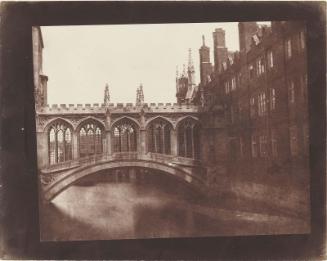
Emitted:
pixel 120 210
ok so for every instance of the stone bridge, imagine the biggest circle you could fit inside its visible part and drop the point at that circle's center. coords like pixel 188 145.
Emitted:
pixel 76 141
pixel 56 178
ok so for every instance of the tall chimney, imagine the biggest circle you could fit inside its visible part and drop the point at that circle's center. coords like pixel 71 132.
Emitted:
pixel 220 51
pixel 246 30
pixel 205 65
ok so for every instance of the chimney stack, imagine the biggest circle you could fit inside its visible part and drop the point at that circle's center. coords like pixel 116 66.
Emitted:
pixel 220 51
pixel 246 30
pixel 205 64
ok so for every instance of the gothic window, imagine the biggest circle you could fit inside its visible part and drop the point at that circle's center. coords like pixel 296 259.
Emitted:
pixel 61 146
pixel 90 139
pixel 274 150
pixel 291 92
pixel 262 104
pixel 293 141
pixel 251 71
pixel 263 145
pixel 98 141
pixel 303 87
pixel 52 146
pixel 270 58
pixel 60 143
pixel 124 136
pixel 188 139
pixel 260 66
pixel 240 110
pixel 227 89
pixel 288 47
pixel 272 99
pixel 302 40
pixel 232 114
pixel 233 83
pixel 239 80
pixel 159 136
pixel 252 107
pixel 241 147
pixel 254 147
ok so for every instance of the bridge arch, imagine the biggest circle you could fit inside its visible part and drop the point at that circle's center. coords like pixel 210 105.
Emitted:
pixel 75 175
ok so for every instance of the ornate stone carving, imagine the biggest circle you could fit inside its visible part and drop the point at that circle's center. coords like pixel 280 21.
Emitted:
pixel 49 178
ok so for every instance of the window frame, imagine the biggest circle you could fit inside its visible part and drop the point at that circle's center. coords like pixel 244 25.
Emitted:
pixel 294 146
pixel 272 99
pixel 88 139
pixel 254 146
pixel 60 148
pixel 270 59
pixel 291 92
pixel 288 48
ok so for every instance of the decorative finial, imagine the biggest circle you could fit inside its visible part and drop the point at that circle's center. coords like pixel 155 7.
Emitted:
pixel 190 60
pixel 106 95
pixel 184 70
pixel 203 41
pixel 139 95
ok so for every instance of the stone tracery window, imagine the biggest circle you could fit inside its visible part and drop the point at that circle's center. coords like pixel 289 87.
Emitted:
pixel 124 136
pixel 159 132
pixel 188 139
pixel 60 142
pixel 90 139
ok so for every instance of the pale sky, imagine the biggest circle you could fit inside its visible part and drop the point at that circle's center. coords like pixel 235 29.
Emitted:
pixel 80 60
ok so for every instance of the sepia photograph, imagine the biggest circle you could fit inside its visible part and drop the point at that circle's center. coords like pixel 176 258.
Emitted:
pixel 153 130
pixel 172 130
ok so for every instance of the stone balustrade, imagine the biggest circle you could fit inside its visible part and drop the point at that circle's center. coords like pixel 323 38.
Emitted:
pixel 98 158
pixel 118 108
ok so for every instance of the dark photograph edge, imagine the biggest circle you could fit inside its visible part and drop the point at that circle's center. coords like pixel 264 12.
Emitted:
pixel 19 185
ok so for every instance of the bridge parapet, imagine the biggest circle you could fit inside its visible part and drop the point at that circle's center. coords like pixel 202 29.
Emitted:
pixel 163 158
pixel 56 178
pixel 118 108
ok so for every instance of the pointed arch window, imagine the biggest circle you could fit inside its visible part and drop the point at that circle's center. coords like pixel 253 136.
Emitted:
pixel 124 136
pixel 90 140
pixel 60 143
pixel 159 132
pixel 188 139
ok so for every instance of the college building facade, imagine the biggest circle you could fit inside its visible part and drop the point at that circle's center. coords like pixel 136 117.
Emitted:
pixel 263 91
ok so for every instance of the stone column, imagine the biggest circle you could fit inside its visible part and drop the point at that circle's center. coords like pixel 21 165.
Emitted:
pixel 108 149
pixel 108 142
pixel 142 138
pixel 75 145
pixel 173 142
pixel 142 148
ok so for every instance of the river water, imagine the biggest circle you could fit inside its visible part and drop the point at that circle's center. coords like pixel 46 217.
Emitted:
pixel 161 208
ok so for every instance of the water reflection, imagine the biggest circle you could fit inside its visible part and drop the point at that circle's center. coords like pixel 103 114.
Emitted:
pixel 98 209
